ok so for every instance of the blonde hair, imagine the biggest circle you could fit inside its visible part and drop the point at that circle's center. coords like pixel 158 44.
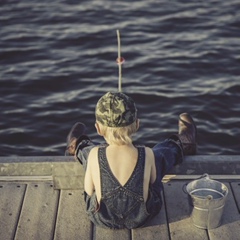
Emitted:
pixel 119 135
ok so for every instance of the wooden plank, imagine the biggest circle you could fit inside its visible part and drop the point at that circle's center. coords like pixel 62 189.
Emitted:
pixel 168 178
pixel 211 164
pixel 38 216
pixel 72 222
pixel 230 227
pixel 236 191
pixel 11 198
pixel 157 228
pixel 103 234
pixel 25 178
pixel 178 213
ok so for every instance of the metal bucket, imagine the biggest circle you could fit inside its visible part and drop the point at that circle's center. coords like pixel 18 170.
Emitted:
pixel 207 198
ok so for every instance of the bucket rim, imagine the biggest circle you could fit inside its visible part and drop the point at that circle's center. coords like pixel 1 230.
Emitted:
pixel 204 177
pixel 208 197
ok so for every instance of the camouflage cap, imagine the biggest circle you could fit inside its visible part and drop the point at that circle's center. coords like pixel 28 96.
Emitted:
pixel 116 110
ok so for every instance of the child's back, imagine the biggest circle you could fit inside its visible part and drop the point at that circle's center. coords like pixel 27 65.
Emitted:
pixel 122 161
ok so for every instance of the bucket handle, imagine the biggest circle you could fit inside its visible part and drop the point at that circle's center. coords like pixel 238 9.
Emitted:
pixel 184 187
pixel 205 175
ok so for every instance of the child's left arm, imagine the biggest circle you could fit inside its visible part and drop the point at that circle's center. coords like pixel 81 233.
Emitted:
pixel 153 173
pixel 151 160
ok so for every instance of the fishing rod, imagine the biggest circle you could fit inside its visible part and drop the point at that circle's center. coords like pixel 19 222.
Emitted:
pixel 120 60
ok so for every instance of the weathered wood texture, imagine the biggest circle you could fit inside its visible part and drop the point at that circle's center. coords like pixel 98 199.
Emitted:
pixel 71 220
pixel 34 210
pixel 230 228
pixel 67 173
pixel 38 212
pixel 11 201
pixel 179 211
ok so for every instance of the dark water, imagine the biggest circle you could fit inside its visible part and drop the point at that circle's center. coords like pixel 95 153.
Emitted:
pixel 58 57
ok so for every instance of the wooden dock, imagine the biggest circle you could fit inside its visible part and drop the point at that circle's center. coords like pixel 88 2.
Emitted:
pixel 42 198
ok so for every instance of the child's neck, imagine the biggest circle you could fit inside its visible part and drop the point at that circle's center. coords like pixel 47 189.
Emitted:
pixel 130 145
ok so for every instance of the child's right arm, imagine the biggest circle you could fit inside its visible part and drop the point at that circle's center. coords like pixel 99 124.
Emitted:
pixel 88 182
pixel 92 175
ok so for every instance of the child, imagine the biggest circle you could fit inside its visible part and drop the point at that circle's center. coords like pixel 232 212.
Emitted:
pixel 123 181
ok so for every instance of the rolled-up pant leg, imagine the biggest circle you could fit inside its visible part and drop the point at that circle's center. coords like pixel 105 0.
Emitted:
pixel 167 154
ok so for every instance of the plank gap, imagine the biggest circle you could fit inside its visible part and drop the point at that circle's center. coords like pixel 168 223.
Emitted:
pixel 20 212
pixel 234 196
pixel 91 231
pixel 207 233
pixel 166 212
pixel 56 216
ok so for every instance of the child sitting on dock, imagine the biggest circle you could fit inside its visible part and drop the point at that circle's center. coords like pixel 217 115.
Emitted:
pixel 122 180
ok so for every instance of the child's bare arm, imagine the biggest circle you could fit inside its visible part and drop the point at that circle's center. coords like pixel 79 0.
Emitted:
pixel 153 171
pixel 151 160
pixel 88 180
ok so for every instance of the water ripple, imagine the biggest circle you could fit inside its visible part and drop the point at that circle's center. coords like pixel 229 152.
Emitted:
pixel 57 58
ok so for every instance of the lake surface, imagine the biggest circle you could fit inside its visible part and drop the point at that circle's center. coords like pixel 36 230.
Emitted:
pixel 57 58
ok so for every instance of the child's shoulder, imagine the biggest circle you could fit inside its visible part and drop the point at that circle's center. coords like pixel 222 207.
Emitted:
pixel 148 152
pixel 93 154
pixel 94 150
pixel 147 149
pixel 149 155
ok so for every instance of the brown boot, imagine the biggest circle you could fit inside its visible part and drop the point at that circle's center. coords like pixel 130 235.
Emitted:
pixel 187 134
pixel 73 138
